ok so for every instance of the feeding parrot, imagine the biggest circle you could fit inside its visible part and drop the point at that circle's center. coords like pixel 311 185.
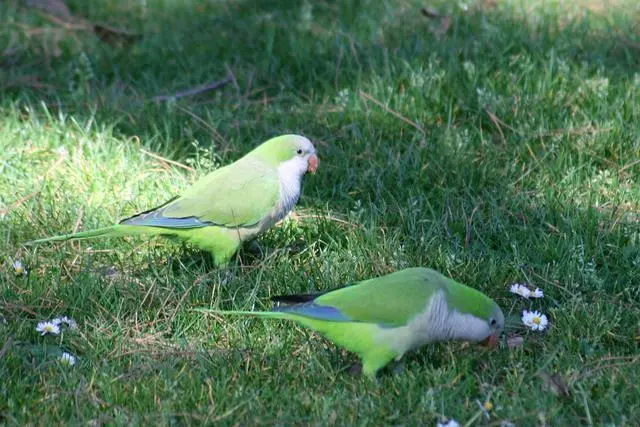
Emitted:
pixel 230 205
pixel 381 319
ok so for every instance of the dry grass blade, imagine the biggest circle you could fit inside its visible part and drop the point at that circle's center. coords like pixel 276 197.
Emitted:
pixel 165 160
pixel 7 345
pixel 496 121
pixel 392 112
pixel 196 90
pixel 630 43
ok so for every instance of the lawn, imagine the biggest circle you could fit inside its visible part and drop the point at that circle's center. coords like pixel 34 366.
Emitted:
pixel 497 143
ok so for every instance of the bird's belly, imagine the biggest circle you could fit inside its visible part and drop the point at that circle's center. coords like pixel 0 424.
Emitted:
pixel 404 338
pixel 423 329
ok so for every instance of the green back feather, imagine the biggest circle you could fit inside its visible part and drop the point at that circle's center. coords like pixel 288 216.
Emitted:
pixel 394 299
pixel 390 300
pixel 221 196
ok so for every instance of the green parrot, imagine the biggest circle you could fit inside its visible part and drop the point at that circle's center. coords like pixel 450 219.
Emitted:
pixel 230 205
pixel 381 319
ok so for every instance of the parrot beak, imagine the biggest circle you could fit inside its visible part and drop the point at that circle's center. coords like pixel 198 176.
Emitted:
pixel 491 341
pixel 313 164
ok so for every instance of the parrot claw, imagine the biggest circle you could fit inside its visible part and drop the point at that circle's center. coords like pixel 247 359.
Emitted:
pixel 398 367
pixel 355 370
pixel 225 277
pixel 255 249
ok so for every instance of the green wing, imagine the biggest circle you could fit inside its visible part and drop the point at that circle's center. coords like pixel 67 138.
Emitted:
pixel 390 300
pixel 238 195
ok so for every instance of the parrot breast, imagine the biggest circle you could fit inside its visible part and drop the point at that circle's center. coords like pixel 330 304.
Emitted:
pixel 425 327
pixel 437 322
pixel 290 180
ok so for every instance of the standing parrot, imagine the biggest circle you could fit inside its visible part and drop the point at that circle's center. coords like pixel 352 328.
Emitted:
pixel 230 205
pixel 381 319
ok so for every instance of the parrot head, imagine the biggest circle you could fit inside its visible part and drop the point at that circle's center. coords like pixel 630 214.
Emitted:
pixel 475 316
pixel 292 154
pixel 483 328
pixel 495 324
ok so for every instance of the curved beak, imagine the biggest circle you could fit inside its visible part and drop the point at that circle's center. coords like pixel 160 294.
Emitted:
pixel 313 163
pixel 491 341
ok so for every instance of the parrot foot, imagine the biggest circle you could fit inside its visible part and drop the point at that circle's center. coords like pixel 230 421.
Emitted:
pixel 397 367
pixel 255 249
pixel 226 277
pixel 355 370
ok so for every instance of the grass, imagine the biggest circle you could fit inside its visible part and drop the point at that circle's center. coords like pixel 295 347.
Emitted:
pixel 502 150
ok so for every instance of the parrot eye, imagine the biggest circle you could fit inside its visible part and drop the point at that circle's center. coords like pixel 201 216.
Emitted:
pixel 492 322
pixel 299 151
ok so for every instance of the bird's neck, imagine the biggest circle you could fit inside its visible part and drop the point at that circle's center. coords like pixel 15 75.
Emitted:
pixel 447 323
pixel 290 181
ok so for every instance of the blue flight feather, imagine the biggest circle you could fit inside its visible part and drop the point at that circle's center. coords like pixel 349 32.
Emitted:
pixel 155 218
pixel 315 311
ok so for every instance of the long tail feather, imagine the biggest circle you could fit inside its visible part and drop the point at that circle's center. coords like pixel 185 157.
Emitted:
pixel 264 314
pixel 114 230
pixel 359 338
pixel 296 299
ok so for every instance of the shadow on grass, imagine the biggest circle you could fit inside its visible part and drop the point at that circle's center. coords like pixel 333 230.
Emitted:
pixel 286 57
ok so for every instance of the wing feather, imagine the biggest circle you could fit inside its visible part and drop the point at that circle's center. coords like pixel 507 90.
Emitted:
pixel 391 300
pixel 238 195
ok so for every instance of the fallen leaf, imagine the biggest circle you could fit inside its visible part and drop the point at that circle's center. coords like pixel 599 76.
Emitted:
pixel 109 272
pixel 115 36
pixel 555 383
pixel 515 341
pixel 444 21
pixel 489 4
pixel 430 12
pixel 445 24
pixel 57 8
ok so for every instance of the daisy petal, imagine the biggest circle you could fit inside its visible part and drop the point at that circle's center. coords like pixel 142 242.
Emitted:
pixel 537 293
pixel 535 320
pixel 67 359
pixel 48 328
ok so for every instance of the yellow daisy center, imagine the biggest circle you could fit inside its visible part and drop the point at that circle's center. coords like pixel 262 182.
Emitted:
pixel 48 328
pixel 536 320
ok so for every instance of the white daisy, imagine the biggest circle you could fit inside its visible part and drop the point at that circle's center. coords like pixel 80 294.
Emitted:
pixel 537 293
pixel 521 290
pixel 450 423
pixel 48 328
pixel 67 321
pixel 67 359
pixel 18 267
pixel 535 320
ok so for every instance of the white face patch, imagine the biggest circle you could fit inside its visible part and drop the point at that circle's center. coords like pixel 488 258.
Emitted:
pixel 466 327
